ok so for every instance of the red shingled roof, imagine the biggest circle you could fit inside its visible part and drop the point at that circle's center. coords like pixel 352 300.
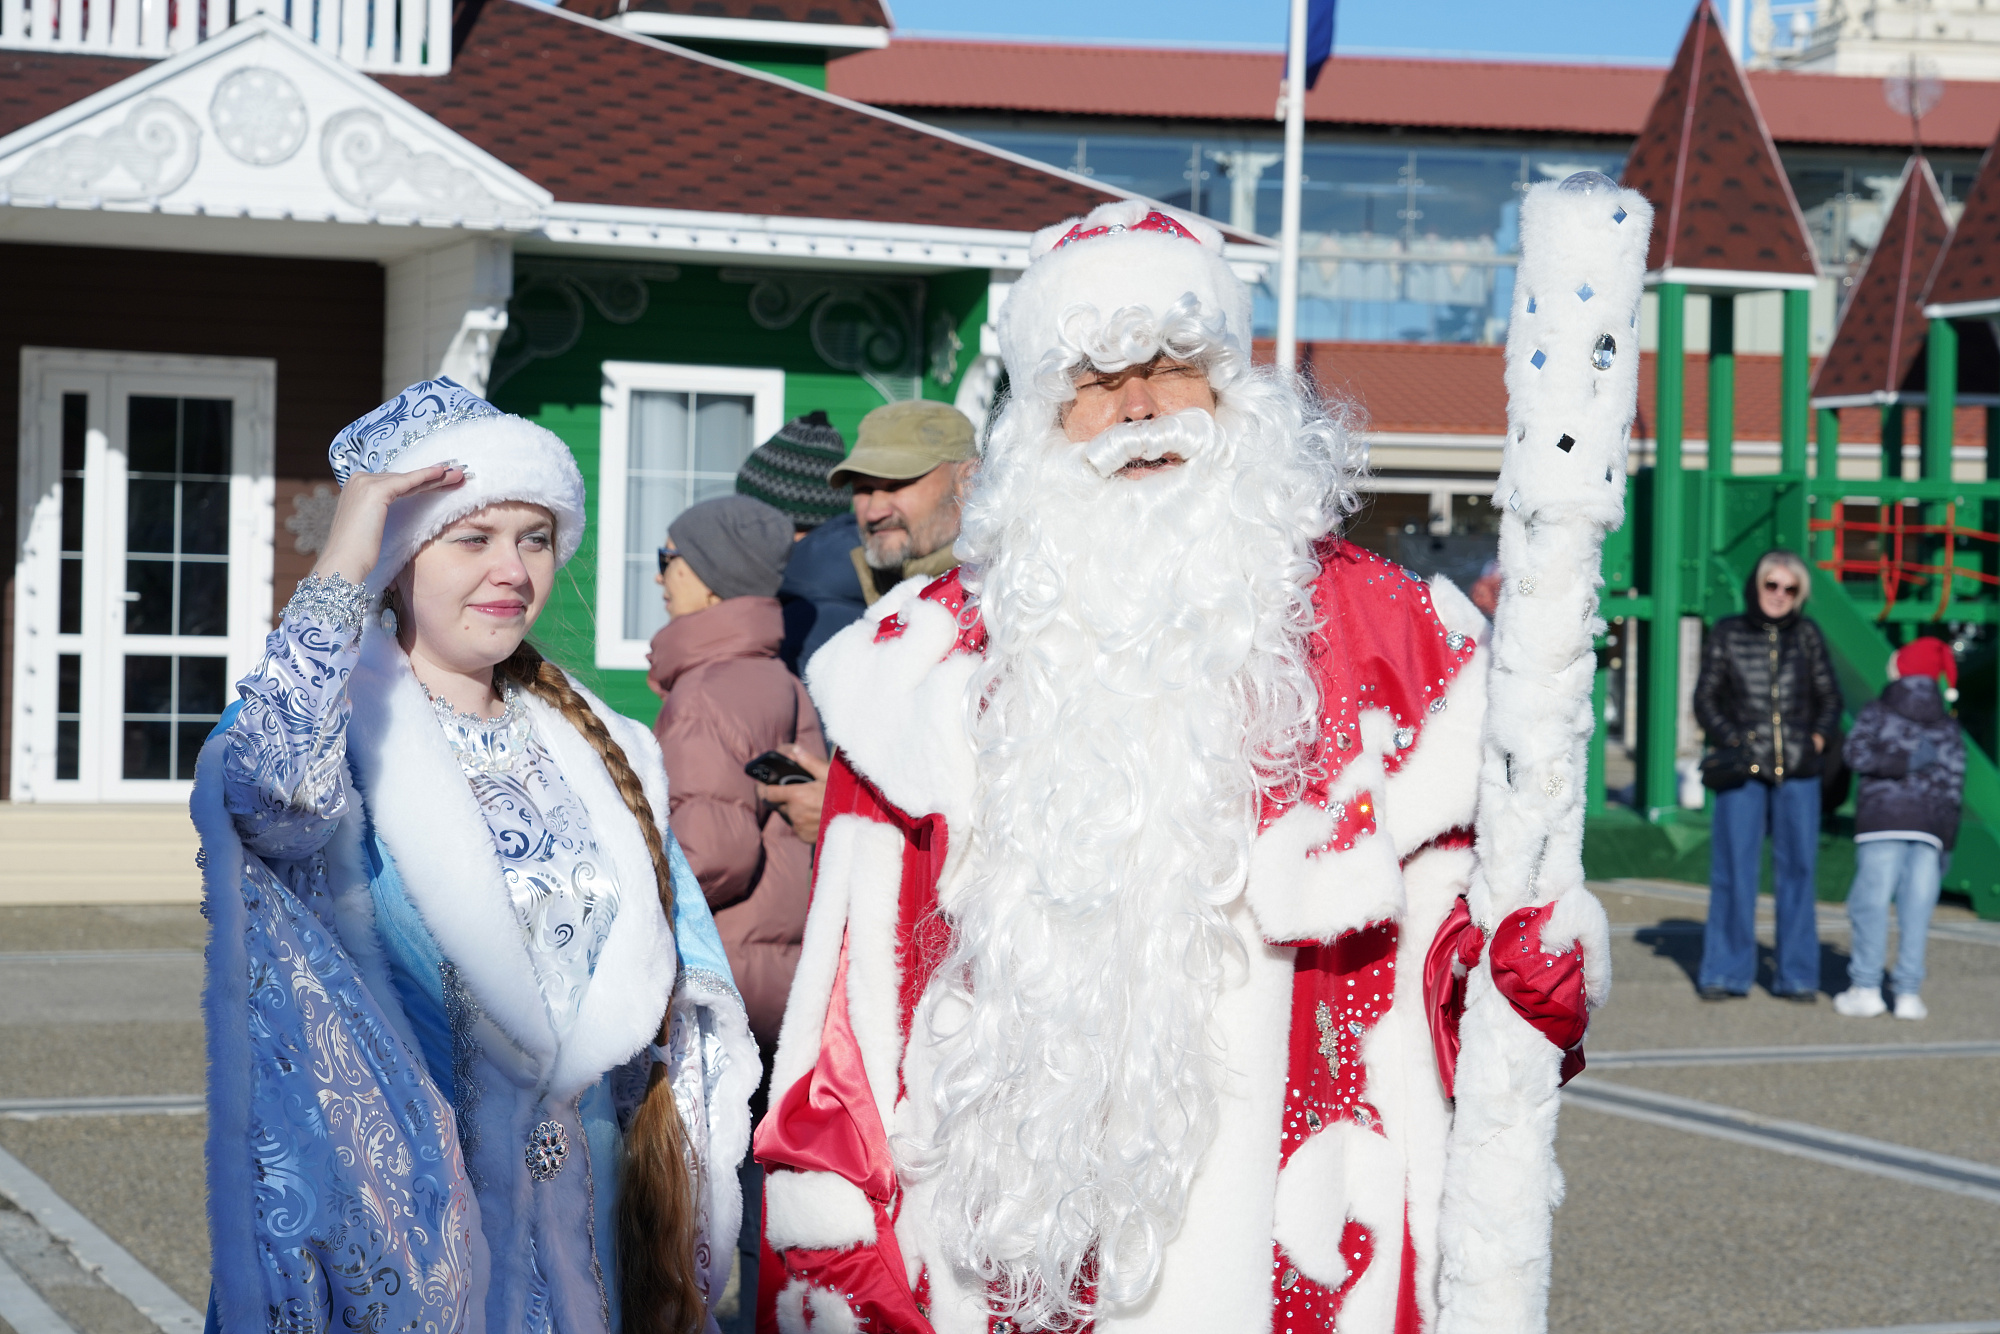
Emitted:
pixel 600 117
pixel 1970 269
pixel 1720 198
pixel 1882 330
pixel 34 84
pixel 1187 84
pixel 846 13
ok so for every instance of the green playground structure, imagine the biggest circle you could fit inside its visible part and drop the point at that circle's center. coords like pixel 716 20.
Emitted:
pixel 1892 555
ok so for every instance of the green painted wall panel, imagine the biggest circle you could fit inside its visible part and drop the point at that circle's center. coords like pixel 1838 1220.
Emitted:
pixel 695 318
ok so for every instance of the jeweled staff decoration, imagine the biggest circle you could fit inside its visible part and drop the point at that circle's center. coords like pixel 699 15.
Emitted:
pixel 1572 389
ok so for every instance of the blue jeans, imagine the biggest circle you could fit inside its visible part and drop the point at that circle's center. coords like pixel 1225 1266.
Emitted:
pixel 1908 869
pixel 1789 813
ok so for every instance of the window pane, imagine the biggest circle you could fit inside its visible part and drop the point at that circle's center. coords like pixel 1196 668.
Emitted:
pixel 149 516
pixel 149 750
pixel 205 435
pixel 72 514
pixel 205 518
pixel 75 420
pixel 149 683
pixel 188 753
pixel 204 599
pixel 152 612
pixel 722 433
pixel 656 491
pixel 69 683
pixel 645 611
pixel 659 433
pixel 152 426
pixel 69 736
pixel 69 603
pixel 202 686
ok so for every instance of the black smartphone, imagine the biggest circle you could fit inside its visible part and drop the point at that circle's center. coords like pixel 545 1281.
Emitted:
pixel 775 770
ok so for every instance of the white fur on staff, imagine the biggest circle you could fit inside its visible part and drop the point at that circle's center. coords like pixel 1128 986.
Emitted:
pixel 1572 389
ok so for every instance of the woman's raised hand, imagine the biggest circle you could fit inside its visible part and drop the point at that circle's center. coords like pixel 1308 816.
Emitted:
pixel 354 543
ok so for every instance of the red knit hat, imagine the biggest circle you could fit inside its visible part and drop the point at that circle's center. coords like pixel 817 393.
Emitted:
pixel 1926 657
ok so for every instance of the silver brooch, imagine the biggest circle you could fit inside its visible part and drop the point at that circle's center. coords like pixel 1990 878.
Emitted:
pixel 548 1147
pixel 1455 642
pixel 1404 736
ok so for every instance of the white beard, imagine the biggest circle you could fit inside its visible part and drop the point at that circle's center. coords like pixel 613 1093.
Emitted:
pixel 1145 679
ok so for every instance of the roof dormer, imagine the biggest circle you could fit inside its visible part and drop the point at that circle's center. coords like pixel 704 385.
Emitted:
pixel 792 38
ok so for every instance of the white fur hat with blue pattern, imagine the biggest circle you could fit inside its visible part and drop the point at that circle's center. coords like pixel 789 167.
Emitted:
pixel 505 458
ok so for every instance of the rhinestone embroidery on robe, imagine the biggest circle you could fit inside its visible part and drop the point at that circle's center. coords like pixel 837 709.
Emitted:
pixel 548 1148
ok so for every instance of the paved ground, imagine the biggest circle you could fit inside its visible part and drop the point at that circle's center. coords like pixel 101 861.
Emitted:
pixel 1708 1193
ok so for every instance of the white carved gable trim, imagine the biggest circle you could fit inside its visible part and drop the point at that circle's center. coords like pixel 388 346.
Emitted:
pixel 260 123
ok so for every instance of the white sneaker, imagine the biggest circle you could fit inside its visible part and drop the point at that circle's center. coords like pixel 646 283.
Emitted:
pixel 1911 1006
pixel 1864 1003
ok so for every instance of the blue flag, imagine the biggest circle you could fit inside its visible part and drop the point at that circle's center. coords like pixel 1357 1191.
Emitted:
pixel 1319 37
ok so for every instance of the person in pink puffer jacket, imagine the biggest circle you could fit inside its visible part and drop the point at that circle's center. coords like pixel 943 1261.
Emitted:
pixel 726 698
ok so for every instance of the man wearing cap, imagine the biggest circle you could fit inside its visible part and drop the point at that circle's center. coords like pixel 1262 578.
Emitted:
pixel 909 470
pixel 1145 915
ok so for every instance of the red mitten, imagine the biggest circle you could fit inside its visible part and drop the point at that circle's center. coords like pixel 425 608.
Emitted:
pixel 1453 951
pixel 1544 989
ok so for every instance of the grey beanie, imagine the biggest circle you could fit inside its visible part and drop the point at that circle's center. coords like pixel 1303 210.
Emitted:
pixel 737 545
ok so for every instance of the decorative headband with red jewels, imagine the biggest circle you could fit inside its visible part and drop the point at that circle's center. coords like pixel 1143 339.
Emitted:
pixel 1154 221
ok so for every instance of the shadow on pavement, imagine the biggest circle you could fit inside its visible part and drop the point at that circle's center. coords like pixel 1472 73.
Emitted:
pixel 1679 939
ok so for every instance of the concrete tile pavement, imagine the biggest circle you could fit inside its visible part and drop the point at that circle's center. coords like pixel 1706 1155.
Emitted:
pixel 1662 1229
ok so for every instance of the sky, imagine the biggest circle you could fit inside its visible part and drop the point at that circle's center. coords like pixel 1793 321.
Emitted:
pixel 1624 30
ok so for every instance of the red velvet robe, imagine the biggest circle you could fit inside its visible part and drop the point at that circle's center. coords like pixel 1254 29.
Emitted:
pixel 1317 1206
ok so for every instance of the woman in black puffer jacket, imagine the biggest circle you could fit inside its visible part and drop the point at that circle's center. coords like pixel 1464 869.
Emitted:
pixel 1768 701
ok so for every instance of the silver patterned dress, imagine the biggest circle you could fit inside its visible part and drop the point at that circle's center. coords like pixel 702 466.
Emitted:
pixel 287 786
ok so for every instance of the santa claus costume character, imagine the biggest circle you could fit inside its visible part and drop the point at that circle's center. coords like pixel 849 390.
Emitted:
pixel 475 1059
pixel 1130 989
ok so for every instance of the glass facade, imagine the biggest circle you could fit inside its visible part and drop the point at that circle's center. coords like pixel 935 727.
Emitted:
pixel 1419 244
pixel 1396 244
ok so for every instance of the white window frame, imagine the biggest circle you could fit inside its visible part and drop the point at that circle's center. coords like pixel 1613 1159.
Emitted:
pixel 766 388
pixel 45 373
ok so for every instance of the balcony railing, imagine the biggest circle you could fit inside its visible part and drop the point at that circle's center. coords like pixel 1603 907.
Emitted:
pixel 380 36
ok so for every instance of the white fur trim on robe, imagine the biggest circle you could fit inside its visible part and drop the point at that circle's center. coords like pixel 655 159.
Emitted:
pixel 815 1211
pixel 918 749
pixel 417 797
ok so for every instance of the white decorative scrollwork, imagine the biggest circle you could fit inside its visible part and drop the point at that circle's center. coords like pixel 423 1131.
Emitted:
pixel 545 316
pixel 370 168
pixel 870 327
pixel 148 154
pixel 259 116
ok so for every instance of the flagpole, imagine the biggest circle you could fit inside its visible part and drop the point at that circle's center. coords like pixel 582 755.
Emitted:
pixel 1295 143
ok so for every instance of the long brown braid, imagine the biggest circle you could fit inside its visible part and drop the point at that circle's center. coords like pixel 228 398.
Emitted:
pixel 657 1285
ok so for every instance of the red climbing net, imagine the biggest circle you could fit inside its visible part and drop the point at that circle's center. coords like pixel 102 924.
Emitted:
pixel 1896 567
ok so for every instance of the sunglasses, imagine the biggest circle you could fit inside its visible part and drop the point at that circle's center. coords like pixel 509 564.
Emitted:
pixel 1770 586
pixel 667 554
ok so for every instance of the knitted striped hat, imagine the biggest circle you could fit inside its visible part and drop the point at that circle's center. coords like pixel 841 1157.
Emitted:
pixel 789 471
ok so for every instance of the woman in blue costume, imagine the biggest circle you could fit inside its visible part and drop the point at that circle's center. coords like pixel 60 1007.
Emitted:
pixel 476 1063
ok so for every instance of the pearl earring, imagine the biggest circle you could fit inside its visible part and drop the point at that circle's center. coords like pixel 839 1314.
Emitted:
pixel 389 620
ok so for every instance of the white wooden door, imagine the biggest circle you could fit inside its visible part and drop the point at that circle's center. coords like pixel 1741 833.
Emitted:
pixel 144 583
